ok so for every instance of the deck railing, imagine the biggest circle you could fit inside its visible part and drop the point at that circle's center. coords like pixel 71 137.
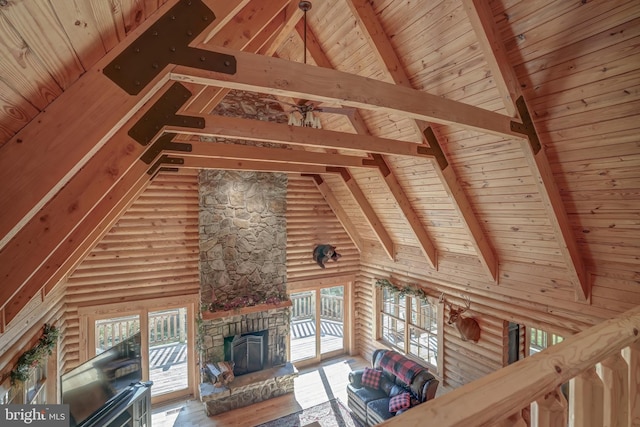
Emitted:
pixel 303 306
pixel 601 363
pixel 165 327
pixel 110 332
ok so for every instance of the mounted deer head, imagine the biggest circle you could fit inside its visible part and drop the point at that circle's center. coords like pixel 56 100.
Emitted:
pixel 467 326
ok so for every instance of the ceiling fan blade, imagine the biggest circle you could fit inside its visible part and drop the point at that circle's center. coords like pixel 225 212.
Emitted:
pixel 336 110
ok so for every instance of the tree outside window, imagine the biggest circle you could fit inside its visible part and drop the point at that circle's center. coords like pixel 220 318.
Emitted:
pixel 539 340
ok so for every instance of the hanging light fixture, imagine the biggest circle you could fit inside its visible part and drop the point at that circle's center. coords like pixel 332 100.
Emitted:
pixel 307 119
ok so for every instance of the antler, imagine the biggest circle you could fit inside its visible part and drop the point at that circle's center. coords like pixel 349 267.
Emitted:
pixel 442 299
pixel 467 303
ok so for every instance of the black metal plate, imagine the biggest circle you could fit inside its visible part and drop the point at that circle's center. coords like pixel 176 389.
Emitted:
pixel 167 42
pixel 163 112
pixel 526 127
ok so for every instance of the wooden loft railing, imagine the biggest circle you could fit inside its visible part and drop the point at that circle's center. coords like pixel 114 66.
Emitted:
pixel 601 363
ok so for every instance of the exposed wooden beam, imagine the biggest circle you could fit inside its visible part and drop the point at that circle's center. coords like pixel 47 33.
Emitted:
pixel 276 76
pixel 252 165
pixel 82 239
pixel 381 45
pixel 224 11
pixel 368 212
pixel 336 207
pixel 412 218
pixel 461 204
pixel 483 23
pixel 247 28
pixel 257 130
pixel 394 187
pixel 292 15
pixel 281 155
pixel 490 41
pixel 35 243
pixel 65 135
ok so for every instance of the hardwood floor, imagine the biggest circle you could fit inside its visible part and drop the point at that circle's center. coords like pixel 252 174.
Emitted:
pixel 314 385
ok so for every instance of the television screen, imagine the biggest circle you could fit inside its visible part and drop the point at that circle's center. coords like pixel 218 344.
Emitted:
pixel 87 387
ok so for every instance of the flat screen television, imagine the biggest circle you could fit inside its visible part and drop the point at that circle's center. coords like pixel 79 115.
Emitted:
pixel 89 386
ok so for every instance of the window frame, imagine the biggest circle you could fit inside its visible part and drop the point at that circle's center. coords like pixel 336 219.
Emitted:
pixel 543 340
pixel 404 315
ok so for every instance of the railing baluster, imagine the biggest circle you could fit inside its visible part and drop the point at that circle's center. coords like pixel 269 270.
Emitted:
pixel 613 371
pixel 631 355
pixel 586 394
pixel 550 410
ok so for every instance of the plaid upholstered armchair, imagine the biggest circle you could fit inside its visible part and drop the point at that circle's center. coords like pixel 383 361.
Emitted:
pixel 393 385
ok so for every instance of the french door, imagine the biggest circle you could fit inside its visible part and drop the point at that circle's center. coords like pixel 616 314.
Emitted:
pixel 166 335
pixel 317 324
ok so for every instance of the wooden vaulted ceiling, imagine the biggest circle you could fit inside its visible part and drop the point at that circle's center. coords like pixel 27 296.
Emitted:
pixel 477 126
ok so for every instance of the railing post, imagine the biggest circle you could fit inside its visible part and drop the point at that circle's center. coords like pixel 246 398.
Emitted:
pixel 182 324
pixel 550 410
pixel 631 355
pixel 586 395
pixel 613 371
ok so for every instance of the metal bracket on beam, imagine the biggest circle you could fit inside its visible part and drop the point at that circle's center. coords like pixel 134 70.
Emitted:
pixel 162 113
pixel 165 160
pixel 167 42
pixel 316 178
pixel 379 161
pixel 342 171
pixel 165 142
pixel 526 128
pixel 434 148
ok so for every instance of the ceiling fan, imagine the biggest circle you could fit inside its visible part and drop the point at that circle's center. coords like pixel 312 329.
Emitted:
pixel 301 114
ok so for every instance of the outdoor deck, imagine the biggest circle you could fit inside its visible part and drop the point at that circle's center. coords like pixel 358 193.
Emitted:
pixel 168 362
pixel 303 340
pixel 168 367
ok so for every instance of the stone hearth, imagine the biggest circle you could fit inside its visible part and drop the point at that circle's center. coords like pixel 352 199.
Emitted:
pixel 248 389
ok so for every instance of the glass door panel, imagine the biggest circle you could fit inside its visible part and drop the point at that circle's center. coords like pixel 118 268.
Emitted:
pixel 303 343
pixel 112 331
pixel 168 350
pixel 331 319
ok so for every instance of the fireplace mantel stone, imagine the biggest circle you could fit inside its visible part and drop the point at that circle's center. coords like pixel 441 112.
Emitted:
pixel 211 315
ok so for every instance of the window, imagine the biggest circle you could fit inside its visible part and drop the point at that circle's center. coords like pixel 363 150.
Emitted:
pixel 539 340
pixel 410 325
pixel 32 391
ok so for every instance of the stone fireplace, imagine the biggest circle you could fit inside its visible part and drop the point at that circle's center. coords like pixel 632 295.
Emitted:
pixel 243 285
pixel 274 323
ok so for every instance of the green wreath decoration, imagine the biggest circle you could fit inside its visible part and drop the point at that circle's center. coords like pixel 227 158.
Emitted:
pixel 402 291
pixel 34 357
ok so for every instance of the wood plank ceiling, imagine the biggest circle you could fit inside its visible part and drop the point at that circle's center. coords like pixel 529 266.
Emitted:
pixel 439 153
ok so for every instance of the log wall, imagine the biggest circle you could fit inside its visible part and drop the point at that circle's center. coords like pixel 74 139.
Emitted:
pixel 25 330
pixel 517 298
pixel 152 251
pixel 310 221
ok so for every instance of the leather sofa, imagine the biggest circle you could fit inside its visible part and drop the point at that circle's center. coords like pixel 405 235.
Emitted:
pixel 371 405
